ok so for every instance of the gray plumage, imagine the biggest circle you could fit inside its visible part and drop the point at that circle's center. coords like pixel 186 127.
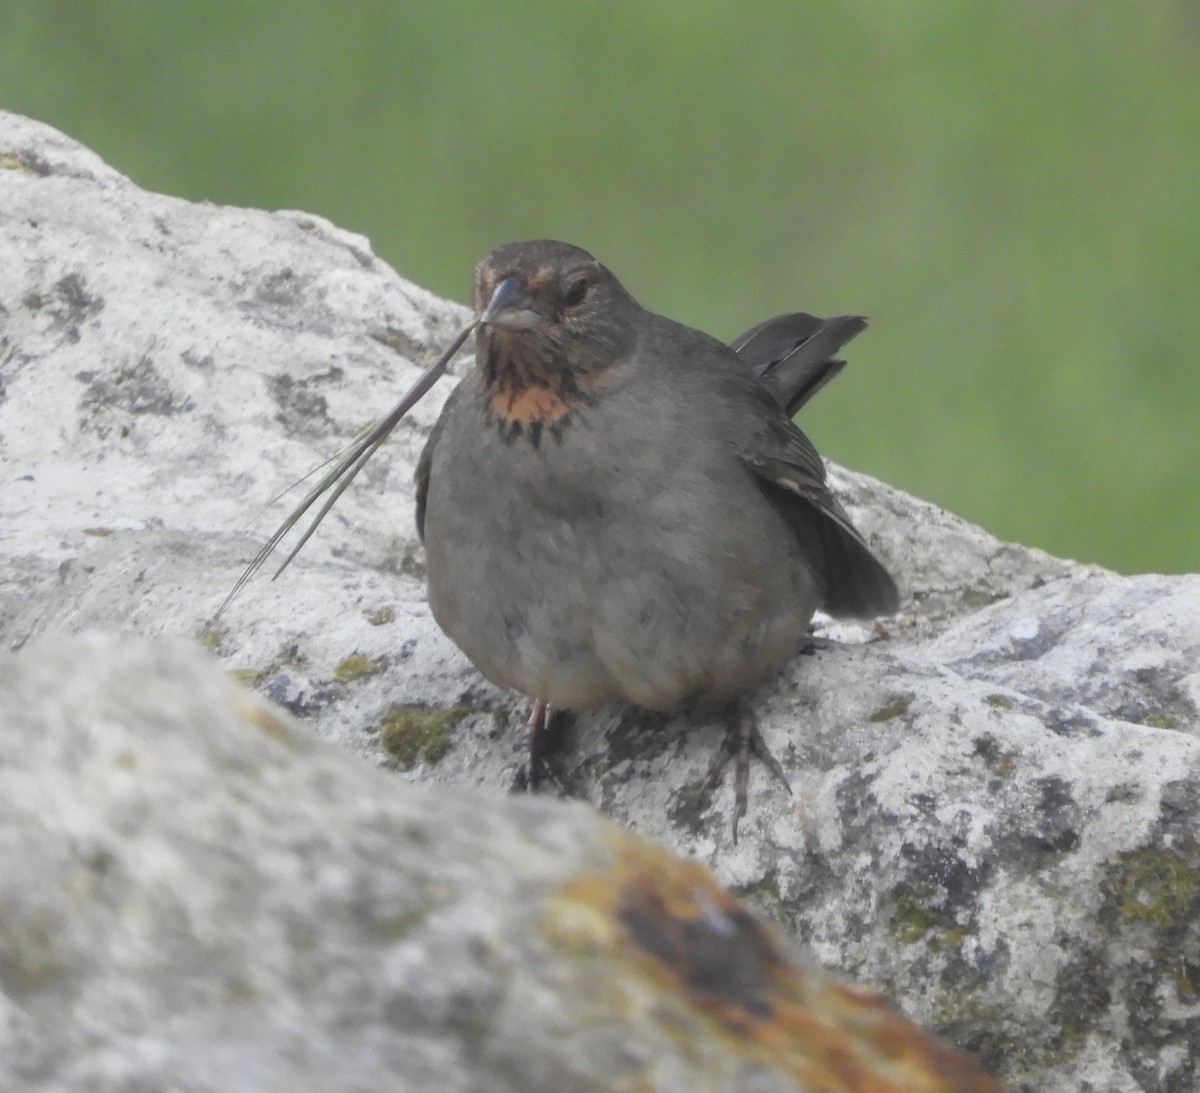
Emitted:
pixel 615 506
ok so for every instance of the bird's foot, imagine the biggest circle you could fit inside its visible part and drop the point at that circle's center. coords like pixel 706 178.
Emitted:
pixel 536 768
pixel 742 739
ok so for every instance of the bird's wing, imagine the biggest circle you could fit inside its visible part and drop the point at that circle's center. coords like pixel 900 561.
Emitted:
pixel 793 477
pixel 425 462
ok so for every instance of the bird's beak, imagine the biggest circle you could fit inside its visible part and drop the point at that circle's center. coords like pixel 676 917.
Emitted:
pixel 510 307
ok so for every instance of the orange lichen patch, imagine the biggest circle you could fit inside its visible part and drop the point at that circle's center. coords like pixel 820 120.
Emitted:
pixel 529 404
pixel 667 925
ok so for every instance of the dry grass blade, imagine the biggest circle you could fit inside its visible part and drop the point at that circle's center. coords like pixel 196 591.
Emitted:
pixel 352 460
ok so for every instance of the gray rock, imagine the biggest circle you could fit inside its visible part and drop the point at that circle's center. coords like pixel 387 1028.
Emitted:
pixel 196 894
pixel 995 805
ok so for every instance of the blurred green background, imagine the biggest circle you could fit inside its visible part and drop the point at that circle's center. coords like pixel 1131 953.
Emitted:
pixel 1009 190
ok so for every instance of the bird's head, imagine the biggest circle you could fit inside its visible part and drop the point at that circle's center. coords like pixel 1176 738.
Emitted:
pixel 548 310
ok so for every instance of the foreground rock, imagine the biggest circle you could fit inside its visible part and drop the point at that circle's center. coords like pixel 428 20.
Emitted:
pixel 995 808
pixel 198 895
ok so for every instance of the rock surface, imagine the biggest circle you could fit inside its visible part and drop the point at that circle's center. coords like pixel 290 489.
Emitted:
pixel 995 809
pixel 196 894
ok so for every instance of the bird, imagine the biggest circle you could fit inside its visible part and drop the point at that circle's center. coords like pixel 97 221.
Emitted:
pixel 617 507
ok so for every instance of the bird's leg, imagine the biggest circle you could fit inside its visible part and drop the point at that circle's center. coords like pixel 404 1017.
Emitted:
pixel 742 739
pixel 536 769
pixel 539 719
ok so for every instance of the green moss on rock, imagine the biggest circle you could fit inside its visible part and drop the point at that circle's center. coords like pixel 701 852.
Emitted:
pixel 356 667
pixel 1154 886
pixel 10 161
pixel 412 735
pixel 895 708
pixel 915 919
pixel 249 677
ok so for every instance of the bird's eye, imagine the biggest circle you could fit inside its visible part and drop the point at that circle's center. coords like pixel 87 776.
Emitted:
pixel 576 291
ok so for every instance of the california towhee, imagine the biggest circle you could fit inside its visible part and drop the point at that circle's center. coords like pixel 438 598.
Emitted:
pixel 618 507
pixel 615 507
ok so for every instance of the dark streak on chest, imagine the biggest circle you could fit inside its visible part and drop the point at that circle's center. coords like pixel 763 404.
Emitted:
pixel 511 431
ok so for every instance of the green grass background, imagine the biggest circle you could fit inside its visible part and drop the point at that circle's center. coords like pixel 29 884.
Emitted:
pixel 1009 189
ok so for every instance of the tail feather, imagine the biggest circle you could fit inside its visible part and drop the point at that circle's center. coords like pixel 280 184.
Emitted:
pixel 793 354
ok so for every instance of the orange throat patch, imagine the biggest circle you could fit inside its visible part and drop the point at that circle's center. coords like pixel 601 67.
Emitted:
pixel 529 406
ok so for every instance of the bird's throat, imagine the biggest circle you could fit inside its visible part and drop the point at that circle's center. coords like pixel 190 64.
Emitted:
pixel 528 393
pixel 527 405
